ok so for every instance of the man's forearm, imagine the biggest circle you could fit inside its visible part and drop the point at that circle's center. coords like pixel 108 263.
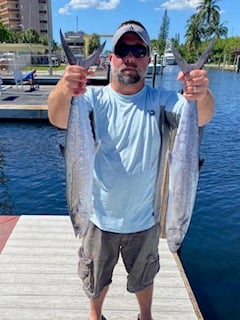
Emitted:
pixel 205 109
pixel 58 107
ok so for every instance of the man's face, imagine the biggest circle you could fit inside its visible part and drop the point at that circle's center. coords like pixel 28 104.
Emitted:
pixel 130 60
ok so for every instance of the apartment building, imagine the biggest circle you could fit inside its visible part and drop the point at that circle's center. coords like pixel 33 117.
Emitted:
pixel 25 14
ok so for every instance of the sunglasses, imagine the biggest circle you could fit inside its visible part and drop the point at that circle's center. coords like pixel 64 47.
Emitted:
pixel 138 50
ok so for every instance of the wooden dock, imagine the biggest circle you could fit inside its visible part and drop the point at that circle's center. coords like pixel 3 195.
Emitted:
pixel 39 281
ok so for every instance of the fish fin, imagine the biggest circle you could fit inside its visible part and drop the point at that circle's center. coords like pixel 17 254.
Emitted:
pixel 87 62
pixel 201 163
pixel 70 56
pixel 62 149
pixel 204 56
pixel 97 146
pixel 92 123
pixel 184 66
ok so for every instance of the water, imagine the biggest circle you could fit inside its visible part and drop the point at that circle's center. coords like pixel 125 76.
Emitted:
pixel 32 182
pixel 32 177
pixel 211 252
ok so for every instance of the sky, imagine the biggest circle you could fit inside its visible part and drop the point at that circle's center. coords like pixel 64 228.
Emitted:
pixel 104 16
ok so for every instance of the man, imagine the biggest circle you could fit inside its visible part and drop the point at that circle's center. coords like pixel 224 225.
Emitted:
pixel 30 77
pixel 126 119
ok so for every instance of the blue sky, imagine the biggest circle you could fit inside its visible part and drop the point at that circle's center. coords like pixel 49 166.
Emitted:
pixel 104 16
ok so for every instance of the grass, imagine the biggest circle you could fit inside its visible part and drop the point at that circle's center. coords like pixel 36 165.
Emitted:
pixel 45 68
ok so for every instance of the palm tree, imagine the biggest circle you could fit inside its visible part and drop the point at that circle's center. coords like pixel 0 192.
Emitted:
pixel 209 15
pixel 194 32
pixel 208 11
pixel 220 31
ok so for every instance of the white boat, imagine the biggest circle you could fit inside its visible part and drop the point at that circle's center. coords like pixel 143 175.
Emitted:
pixel 151 66
pixel 157 61
pixel 168 56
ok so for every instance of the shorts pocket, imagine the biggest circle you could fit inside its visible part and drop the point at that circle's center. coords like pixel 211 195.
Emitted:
pixel 85 271
pixel 151 269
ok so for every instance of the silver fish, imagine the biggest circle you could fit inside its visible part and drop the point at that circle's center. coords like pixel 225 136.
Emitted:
pixel 184 164
pixel 79 152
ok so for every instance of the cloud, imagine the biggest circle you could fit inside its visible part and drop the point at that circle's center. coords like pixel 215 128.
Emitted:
pixel 64 10
pixel 180 4
pixel 85 4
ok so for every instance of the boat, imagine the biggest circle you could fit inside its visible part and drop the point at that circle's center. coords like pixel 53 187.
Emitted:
pixel 168 56
pixel 151 67
pixel 157 62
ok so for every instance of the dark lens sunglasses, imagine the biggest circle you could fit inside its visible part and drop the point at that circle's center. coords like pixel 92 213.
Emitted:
pixel 138 50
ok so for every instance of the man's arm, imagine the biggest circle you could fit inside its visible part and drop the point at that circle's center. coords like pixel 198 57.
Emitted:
pixel 59 106
pixel 205 108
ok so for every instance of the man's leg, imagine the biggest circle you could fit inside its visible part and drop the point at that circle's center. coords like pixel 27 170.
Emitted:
pixel 97 257
pixel 144 298
pixel 140 256
pixel 31 84
pixel 96 305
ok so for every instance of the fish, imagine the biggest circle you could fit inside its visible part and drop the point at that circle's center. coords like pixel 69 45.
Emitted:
pixel 79 151
pixel 184 163
pixel 83 62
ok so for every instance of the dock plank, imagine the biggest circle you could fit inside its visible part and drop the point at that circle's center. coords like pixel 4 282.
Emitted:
pixel 38 278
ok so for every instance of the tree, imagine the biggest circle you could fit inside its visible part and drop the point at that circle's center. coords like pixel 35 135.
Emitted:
pixel 202 25
pixel 208 11
pixel 209 16
pixel 5 34
pixel 163 34
pixel 194 32
pixel 219 30
pixel 31 36
pixel 94 42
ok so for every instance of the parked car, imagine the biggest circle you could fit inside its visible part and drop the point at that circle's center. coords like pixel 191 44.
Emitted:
pixel 6 60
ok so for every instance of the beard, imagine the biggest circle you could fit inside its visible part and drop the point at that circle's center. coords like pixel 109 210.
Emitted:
pixel 127 77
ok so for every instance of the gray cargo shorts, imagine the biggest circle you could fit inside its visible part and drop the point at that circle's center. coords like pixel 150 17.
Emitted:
pixel 100 251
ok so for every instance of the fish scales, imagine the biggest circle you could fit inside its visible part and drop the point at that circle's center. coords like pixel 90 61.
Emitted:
pixel 79 151
pixel 184 163
pixel 79 157
pixel 183 177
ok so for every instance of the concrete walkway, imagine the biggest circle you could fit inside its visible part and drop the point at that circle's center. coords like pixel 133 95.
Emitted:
pixel 19 103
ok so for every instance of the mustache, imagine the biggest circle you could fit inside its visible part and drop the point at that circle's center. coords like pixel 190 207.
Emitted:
pixel 131 65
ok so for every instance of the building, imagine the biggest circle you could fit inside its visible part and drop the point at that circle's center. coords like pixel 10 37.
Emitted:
pixel 25 14
pixel 75 41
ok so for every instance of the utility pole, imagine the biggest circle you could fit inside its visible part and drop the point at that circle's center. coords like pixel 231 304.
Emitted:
pixel 50 36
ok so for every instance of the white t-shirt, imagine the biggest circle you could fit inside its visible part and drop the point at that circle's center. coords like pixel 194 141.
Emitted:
pixel 126 163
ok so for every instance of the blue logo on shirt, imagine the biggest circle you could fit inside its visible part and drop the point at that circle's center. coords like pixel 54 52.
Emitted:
pixel 151 112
